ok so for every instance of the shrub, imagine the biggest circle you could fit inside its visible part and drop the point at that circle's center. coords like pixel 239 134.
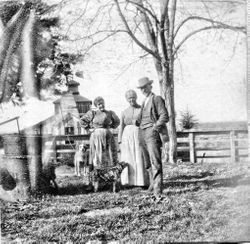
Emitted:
pixel 66 159
pixel 187 120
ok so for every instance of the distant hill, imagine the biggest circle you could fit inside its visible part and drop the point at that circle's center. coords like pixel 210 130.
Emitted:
pixel 220 126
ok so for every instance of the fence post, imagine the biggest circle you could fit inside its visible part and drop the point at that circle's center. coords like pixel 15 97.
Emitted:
pixel 54 149
pixel 191 147
pixel 17 122
pixel 232 146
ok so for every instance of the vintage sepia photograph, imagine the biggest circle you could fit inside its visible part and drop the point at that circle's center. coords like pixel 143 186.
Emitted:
pixel 124 121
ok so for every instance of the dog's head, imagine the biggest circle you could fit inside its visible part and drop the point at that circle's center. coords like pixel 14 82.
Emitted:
pixel 85 147
pixel 121 165
pixel 82 147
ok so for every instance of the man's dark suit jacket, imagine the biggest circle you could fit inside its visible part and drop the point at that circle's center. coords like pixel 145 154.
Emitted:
pixel 158 113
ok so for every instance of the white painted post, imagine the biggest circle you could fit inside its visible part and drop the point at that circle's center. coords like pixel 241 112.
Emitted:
pixel 232 147
pixel 191 148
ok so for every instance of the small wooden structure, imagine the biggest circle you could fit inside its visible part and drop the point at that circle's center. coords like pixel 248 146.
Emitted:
pixel 67 107
pixel 83 104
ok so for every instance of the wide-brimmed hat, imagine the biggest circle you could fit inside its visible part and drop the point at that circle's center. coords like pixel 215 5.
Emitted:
pixel 144 81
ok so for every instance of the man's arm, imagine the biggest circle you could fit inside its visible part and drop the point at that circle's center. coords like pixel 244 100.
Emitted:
pixel 161 111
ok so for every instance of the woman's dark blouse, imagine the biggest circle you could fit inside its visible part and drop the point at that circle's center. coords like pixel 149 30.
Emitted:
pixel 100 119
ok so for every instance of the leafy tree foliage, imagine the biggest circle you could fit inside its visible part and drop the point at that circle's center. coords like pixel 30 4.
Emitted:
pixel 50 65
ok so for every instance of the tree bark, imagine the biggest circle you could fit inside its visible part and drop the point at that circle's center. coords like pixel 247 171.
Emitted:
pixel 168 83
pixel 19 37
pixel 10 42
pixel 34 142
pixel 28 74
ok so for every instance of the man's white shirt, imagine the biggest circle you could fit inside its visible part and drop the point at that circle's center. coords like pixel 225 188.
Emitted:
pixel 147 99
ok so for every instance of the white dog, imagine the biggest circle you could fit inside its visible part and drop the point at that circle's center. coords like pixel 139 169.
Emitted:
pixel 80 159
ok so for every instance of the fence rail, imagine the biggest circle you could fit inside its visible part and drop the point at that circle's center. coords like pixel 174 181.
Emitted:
pixel 197 145
pixel 213 146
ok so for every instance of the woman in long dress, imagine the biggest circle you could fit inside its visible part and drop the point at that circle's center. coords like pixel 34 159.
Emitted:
pixel 128 138
pixel 103 150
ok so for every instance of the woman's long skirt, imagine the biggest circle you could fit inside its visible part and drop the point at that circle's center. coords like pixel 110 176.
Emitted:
pixel 135 174
pixel 103 150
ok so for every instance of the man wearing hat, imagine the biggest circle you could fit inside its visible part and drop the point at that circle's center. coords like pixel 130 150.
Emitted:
pixel 152 122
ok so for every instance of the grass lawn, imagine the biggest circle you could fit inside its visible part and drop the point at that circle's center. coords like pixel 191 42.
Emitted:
pixel 202 202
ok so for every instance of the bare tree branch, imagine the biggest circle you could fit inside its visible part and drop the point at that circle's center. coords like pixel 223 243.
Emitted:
pixel 164 10
pixel 95 19
pixel 164 28
pixel 140 44
pixel 172 23
pixel 220 1
pixel 224 25
pixel 150 33
pixel 79 17
pixel 101 40
pixel 95 34
pixel 151 7
pixel 135 19
pixel 206 8
pixel 145 9
pixel 147 13
pixel 197 31
pixel 130 64
pixel 233 52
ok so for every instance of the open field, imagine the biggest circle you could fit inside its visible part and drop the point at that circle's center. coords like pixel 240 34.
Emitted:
pixel 202 202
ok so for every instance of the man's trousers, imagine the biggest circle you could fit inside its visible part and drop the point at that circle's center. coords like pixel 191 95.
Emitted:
pixel 150 143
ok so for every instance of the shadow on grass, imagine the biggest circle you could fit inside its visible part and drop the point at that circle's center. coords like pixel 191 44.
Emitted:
pixel 194 176
pixel 174 185
pixel 73 189
pixel 73 186
pixel 182 186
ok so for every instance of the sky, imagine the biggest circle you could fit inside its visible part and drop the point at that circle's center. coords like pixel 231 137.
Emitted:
pixel 210 74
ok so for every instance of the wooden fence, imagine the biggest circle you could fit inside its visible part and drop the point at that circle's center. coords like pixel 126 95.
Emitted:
pixel 215 144
pixel 212 146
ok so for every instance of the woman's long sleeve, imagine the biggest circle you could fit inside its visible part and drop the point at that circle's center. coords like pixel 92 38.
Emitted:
pixel 115 120
pixel 86 119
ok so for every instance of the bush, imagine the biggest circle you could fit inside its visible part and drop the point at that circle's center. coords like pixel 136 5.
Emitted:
pixel 66 159
pixel 187 120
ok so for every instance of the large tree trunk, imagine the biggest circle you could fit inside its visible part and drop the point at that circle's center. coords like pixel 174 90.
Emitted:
pixel 28 74
pixel 19 41
pixel 10 42
pixel 166 82
pixel 168 93
pixel 33 142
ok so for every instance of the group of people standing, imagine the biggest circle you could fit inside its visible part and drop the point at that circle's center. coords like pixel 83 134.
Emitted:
pixel 139 137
